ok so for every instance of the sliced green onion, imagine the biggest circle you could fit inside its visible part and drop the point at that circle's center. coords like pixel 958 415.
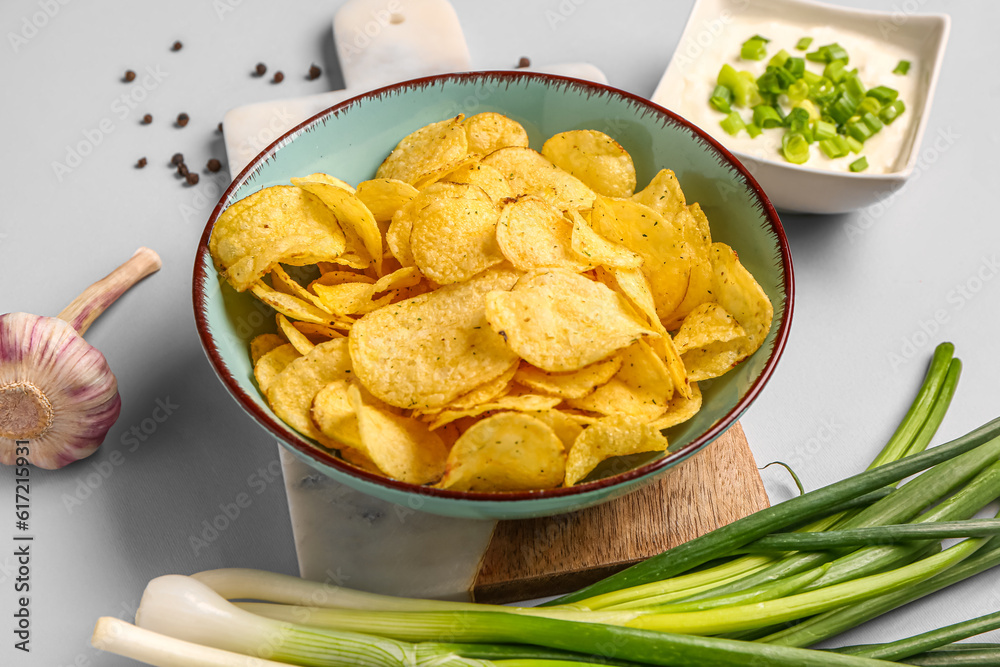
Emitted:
pixel 795 147
pixel 835 70
pixel 843 107
pixel 890 112
pixel 884 94
pixel 828 53
pixel 854 145
pixel 872 121
pixel 779 58
pixel 721 99
pixel 795 66
pixel 859 130
pixel 798 91
pixel 852 84
pixel 869 105
pixel 902 68
pixel 754 130
pixel 823 130
pixel 733 123
pixel 766 116
pixel 859 165
pixel 835 147
pixel 754 48
pixel 804 43
pixel 742 85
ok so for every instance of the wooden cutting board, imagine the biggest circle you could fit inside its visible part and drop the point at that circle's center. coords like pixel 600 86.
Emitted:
pixel 533 558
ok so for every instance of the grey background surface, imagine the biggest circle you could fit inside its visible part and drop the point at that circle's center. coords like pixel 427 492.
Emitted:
pixel 876 290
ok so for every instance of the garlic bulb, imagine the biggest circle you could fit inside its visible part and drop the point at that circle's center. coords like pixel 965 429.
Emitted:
pixel 56 390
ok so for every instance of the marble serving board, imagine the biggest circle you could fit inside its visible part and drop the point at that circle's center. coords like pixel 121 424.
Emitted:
pixel 345 537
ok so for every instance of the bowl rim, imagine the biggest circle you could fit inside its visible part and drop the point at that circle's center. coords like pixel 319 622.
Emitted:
pixel 902 174
pixel 203 267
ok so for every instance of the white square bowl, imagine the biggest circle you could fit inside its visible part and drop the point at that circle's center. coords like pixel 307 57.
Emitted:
pixel 716 28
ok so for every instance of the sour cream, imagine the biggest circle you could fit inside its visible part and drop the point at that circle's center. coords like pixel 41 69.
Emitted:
pixel 886 152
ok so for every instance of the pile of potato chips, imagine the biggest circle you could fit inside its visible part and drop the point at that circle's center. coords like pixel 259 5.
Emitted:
pixel 484 317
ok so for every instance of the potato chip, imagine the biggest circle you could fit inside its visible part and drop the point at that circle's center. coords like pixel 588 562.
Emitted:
pixel 531 234
pixel 359 459
pixel 351 213
pixel 333 414
pixel 453 238
pixel 486 392
pixel 529 173
pixel 284 283
pixel 518 402
pixel 595 158
pixel 575 384
pixel 264 343
pixel 663 195
pixel 426 351
pixel 444 170
pixel 291 393
pixel 278 224
pixel 426 150
pixel 340 277
pixel 680 409
pixel 271 363
pixel 609 437
pixel 642 388
pixel 699 242
pixel 708 323
pixel 737 291
pixel 488 178
pixel 318 333
pixel 565 426
pixel 345 298
pixel 598 250
pixel 561 321
pixel 490 131
pixel 385 196
pixel 320 177
pixel 298 339
pixel 289 305
pixel 401 447
pixel 506 452
pixel 665 257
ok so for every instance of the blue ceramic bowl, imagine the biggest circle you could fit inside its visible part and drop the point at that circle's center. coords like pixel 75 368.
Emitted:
pixel 351 139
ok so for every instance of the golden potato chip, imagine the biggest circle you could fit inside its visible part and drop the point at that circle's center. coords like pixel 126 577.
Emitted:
pixel 680 409
pixel 401 447
pixel 561 321
pixel 516 402
pixel 529 173
pixel 737 291
pixel 397 236
pixel 345 298
pixel 298 339
pixel 609 437
pixel 531 234
pixel 453 238
pixel 485 392
pixel 490 131
pixel 339 277
pixel 407 276
pixel 289 305
pixel 278 224
pixel 575 384
pixel 264 343
pixel 385 196
pixel 318 333
pixel 358 459
pixel 271 363
pixel 334 414
pixel 426 351
pixel 320 177
pixel 488 178
pixel 597 249
pixel 506 452
pixel 291 393
pixel 699 242
pixel 444 170
pixel 665 257
pixel 595 158
pixel 284 283
pixel 426 150
pixel 351 214
pixel 641 388
pixel 566 428
pixel 708 323
pixel 663 195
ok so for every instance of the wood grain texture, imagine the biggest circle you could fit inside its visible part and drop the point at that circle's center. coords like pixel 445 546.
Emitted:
pixel 537 557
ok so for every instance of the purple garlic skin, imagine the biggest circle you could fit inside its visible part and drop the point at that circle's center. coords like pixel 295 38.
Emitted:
pixel 56 391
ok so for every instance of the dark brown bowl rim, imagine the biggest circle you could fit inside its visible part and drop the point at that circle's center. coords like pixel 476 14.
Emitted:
pixel 291 438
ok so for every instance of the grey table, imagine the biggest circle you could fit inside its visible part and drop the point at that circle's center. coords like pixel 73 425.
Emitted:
pixel 876 289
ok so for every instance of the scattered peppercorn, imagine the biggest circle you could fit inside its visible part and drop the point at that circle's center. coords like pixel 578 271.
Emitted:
pixel 141 163
pixel 525 61
pixel 278 77
pixel 261 69
pixel 314 72
pixel 182 169
pixel 214 165
pixel 177 46
pixel 219 127
pixel 129 75
pixel 182 119
pixel 192 178
pixel 177 159
pixel 147 119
